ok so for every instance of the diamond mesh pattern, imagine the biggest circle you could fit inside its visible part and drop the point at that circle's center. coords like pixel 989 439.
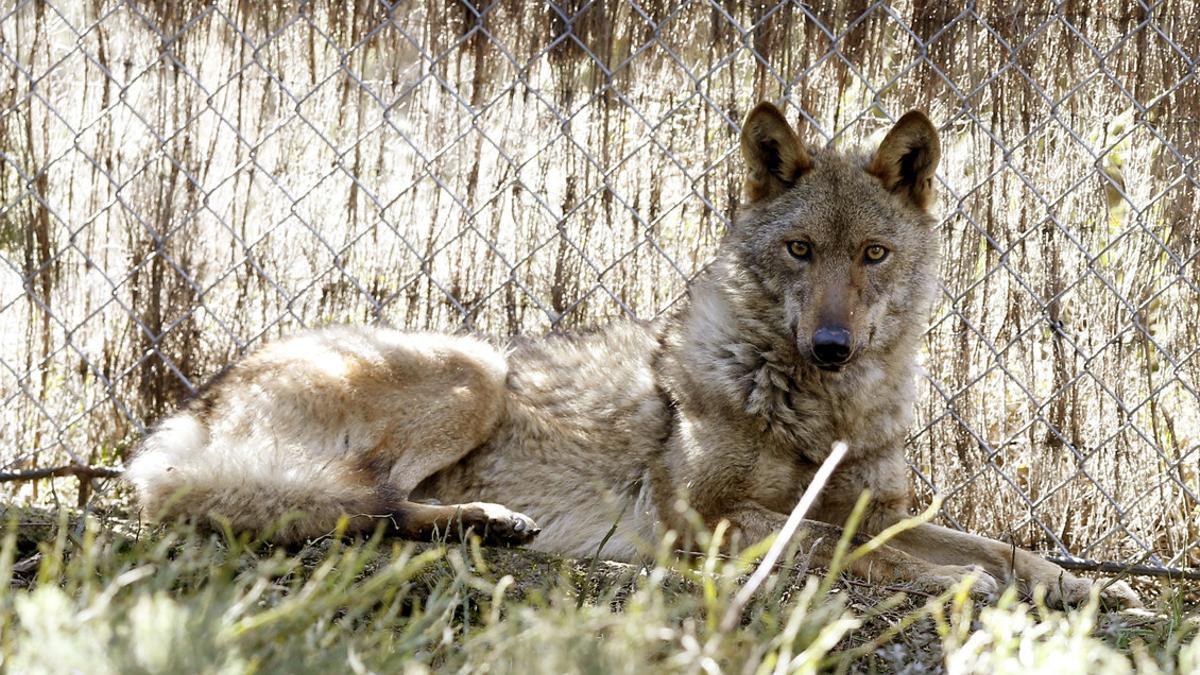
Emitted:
pixel 179 181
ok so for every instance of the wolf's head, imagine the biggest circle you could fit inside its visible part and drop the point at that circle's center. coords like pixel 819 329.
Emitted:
pixel 843 242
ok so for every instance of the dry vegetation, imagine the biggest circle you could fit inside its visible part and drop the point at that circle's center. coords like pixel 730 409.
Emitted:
pixel 179 181
pixel 103 597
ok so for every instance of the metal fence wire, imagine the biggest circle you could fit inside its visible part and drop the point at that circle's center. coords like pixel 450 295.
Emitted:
pixel 180 181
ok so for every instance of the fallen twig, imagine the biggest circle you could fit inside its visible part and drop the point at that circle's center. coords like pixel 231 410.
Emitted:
pixel 77 470
pixel 734 612
pixel 1137 570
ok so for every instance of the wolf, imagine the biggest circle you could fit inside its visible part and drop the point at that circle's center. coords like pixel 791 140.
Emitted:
pixel 802 332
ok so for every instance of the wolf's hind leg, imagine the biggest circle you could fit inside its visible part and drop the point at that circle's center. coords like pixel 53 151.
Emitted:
pixel 493 523
pixel 434 398
pixel 331 423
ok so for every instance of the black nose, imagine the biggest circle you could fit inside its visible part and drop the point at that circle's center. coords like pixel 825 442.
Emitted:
pixel 831 346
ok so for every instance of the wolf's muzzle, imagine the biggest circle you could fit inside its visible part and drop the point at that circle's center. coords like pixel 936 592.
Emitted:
pixel 832 346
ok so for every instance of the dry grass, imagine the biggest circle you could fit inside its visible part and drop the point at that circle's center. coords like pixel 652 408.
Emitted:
pixel 179 181
pixel 102 597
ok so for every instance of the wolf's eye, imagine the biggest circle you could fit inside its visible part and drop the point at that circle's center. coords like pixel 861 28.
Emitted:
pixel 799 250
pixel 875 253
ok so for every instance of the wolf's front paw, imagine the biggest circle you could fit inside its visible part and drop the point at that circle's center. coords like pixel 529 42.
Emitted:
pixel 1118 595
pixel 499 525
pixel 1064 589
pixel 941 578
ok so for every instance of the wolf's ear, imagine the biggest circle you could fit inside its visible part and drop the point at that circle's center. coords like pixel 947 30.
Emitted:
pixel 907 158
pixel 775 158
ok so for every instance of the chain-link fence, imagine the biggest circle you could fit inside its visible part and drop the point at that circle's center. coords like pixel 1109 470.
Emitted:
pixel 179 181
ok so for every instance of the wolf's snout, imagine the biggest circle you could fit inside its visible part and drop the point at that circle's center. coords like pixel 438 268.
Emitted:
pixel 831 346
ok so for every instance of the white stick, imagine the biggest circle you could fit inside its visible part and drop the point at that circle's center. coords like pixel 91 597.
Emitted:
pixel 734 613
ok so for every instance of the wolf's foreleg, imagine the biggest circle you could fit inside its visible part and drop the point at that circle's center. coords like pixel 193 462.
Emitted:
pixel 752 522
pixel 943 545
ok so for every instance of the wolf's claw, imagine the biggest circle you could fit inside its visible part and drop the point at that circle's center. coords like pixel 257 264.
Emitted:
pixel 499 525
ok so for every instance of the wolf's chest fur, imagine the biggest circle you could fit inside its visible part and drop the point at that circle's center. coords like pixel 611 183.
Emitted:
pixel 799 411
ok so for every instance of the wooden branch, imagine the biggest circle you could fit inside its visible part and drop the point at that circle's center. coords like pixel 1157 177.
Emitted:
pixel 77 470
pixel 1137 570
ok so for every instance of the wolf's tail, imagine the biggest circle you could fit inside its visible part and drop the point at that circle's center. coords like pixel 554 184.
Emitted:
pixel 182 471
